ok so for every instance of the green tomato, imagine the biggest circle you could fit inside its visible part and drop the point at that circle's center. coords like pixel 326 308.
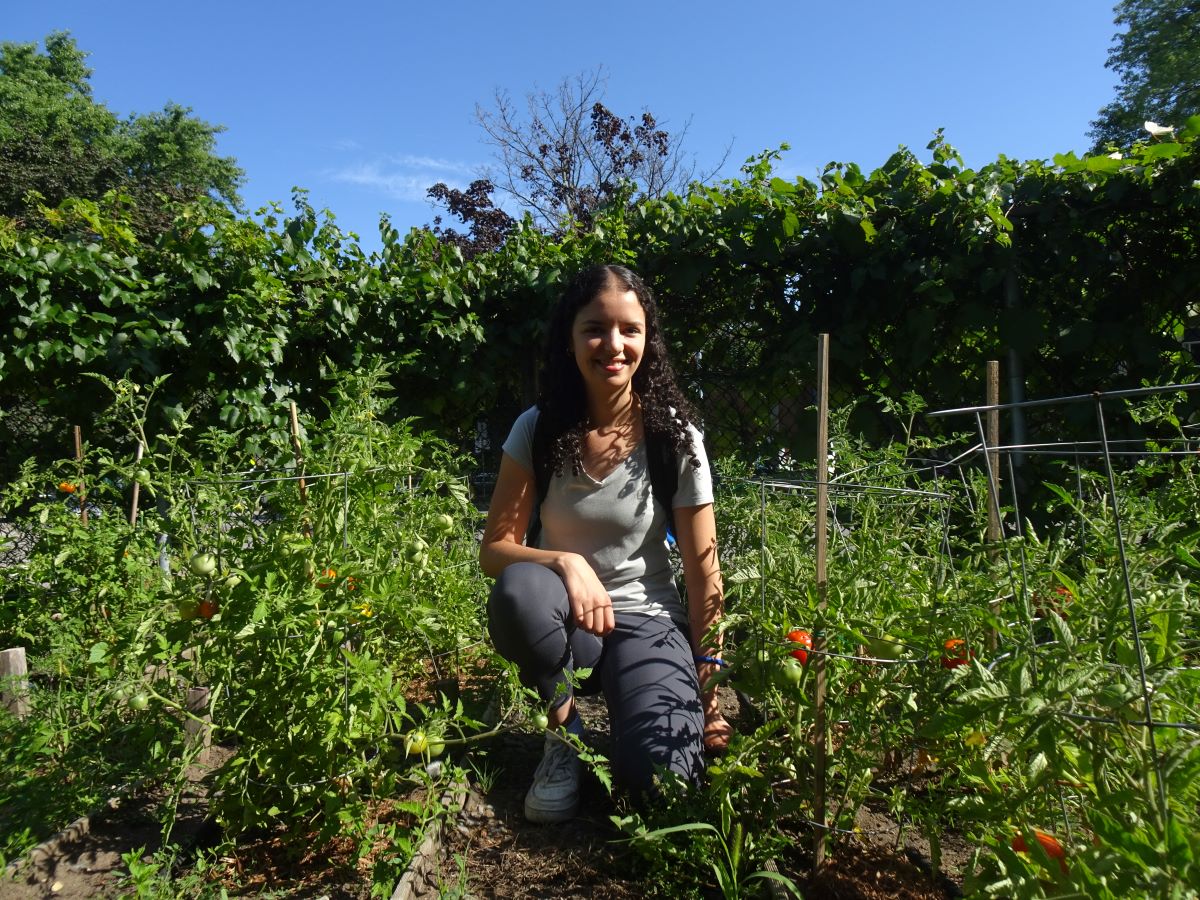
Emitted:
pixel 414 551
pixel 754 675
pixel 203 564
pixel 436 746
pixel 139 702
pixel 188 609
pixel 232 580
pixel 415 743
pixel 142 477
pixel 885 647
pixel 789 675
pixel 541 721
pixel 443 523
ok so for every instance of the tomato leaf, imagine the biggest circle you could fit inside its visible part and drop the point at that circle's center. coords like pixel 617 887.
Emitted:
pixel 99 653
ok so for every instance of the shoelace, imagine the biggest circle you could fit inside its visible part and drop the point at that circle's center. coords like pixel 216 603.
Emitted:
pixel 557 763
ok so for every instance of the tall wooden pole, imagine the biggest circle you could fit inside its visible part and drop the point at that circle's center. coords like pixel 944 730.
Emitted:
pixel 819 643
pixel 133 504
pixel 993 497
pixel 79 469
pixel 297 451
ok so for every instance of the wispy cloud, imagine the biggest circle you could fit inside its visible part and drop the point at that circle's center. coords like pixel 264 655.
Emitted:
pixel 405 176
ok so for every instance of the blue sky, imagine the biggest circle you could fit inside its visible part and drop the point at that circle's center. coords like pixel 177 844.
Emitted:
pixel 366 104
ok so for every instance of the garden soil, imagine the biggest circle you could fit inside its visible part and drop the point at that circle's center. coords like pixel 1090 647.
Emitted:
pixel 85 859
pixel 488 850
pixel 491 852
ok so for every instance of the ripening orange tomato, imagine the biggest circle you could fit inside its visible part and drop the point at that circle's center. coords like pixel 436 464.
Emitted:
pixel 1049 843
pixel 66 487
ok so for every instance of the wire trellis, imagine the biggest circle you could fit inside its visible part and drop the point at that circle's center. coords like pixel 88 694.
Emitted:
pixel 1105 450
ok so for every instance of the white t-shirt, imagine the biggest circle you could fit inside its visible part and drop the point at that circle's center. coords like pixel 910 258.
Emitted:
pixel 616 524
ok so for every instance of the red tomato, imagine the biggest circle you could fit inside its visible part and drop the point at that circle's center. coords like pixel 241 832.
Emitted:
pixel 329 574
pixel 956 653
pixel 803 640
pixel 207 609
pixel 1049 843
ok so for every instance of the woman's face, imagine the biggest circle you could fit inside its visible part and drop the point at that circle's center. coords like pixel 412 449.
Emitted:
pixel 608 340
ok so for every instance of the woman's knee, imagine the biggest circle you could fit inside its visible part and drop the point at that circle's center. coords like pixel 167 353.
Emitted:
pixel 527 608
pixel 669 738
pixel 524 589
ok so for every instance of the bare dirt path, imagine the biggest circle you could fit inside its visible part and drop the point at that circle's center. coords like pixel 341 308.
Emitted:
pixel 85 859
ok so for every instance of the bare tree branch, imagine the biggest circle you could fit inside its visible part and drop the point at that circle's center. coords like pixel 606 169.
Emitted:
pixel 570 154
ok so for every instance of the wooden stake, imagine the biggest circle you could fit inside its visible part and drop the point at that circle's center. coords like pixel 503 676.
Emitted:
pixel 819 726
pixel 993 498
pixel 79 469
pixel 297 452
pixel 198 733
pixel 133 506
pixel 14 683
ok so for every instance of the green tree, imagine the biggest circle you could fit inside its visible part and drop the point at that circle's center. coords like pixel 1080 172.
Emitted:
pixel 58 142
pixel 1158 60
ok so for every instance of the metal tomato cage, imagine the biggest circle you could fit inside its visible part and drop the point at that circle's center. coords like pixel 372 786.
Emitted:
pixel 843 533
pixel 1104 450
pixel 844 495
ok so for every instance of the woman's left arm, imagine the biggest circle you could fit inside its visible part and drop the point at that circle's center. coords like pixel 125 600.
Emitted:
pixel 696 536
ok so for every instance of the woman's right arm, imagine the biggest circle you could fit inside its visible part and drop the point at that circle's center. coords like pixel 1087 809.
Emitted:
pixel 503 544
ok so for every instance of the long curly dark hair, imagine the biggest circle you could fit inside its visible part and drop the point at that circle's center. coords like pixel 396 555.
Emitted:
pixel 562 399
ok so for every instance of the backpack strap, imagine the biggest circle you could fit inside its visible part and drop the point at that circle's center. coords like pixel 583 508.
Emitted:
pixel 541 477
pixel 664 475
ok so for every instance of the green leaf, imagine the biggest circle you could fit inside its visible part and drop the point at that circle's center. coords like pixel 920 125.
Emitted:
pixel 99 653
pixel 1184 556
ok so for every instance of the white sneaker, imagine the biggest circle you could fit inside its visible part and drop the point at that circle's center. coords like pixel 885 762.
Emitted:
pixel 554 794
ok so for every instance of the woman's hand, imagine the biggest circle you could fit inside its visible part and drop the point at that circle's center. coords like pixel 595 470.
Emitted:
pixel 591 607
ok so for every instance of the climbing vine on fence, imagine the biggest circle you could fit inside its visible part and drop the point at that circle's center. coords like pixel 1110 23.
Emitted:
pixel 1078 273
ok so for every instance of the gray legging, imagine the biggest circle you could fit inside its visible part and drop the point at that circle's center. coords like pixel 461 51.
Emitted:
pixel 644 666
